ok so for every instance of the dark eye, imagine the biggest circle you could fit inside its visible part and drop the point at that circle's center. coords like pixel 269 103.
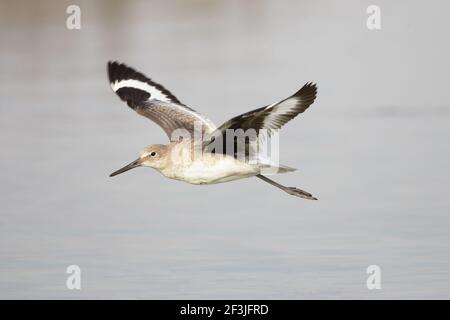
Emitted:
pixel 153 154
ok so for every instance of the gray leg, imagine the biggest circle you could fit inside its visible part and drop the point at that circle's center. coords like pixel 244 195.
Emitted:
pixel 291 190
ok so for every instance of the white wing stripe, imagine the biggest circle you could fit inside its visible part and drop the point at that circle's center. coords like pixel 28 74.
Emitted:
pixel 158 95
pixel 154 93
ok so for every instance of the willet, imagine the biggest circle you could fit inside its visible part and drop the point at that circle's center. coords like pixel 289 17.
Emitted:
pixel 177 159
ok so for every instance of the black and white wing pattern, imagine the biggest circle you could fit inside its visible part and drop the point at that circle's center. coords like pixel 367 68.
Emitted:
pixel 153 101
pixel 270 117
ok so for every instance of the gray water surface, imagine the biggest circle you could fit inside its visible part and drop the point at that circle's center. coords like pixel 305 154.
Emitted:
pixel 373 148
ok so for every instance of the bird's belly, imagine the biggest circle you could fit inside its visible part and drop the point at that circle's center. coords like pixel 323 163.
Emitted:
pixel 200 172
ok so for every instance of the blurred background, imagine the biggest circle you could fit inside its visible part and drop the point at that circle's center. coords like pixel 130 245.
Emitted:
pixel 373 148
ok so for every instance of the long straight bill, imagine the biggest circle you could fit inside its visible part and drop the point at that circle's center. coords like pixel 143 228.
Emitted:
pixel 136 163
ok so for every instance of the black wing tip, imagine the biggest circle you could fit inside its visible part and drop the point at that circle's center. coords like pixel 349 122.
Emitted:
pixel 308 92
pixel 309 87
pixel 120 71
pixel 113 67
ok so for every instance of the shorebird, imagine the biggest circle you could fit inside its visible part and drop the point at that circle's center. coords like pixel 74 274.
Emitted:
pixel 175 160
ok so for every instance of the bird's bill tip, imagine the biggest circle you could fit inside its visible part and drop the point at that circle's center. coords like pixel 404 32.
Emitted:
pixel 136 163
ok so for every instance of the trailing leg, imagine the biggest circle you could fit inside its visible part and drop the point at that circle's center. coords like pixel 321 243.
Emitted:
pixel 291 190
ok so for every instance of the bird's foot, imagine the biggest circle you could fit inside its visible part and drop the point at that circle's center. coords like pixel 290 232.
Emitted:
pixel 299 193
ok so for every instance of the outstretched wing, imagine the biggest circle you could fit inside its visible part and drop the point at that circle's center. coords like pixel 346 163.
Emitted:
pixel 153 101
pixel 271 117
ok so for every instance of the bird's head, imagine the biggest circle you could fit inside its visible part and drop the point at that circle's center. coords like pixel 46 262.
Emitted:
pixel 154 156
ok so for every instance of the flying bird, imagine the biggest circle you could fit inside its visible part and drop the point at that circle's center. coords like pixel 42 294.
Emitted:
pixel 177 160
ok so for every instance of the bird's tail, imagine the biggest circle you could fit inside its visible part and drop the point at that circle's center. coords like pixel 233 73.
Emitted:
pixel 269 169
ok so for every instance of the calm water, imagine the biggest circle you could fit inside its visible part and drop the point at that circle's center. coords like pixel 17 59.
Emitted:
pixel 374 149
